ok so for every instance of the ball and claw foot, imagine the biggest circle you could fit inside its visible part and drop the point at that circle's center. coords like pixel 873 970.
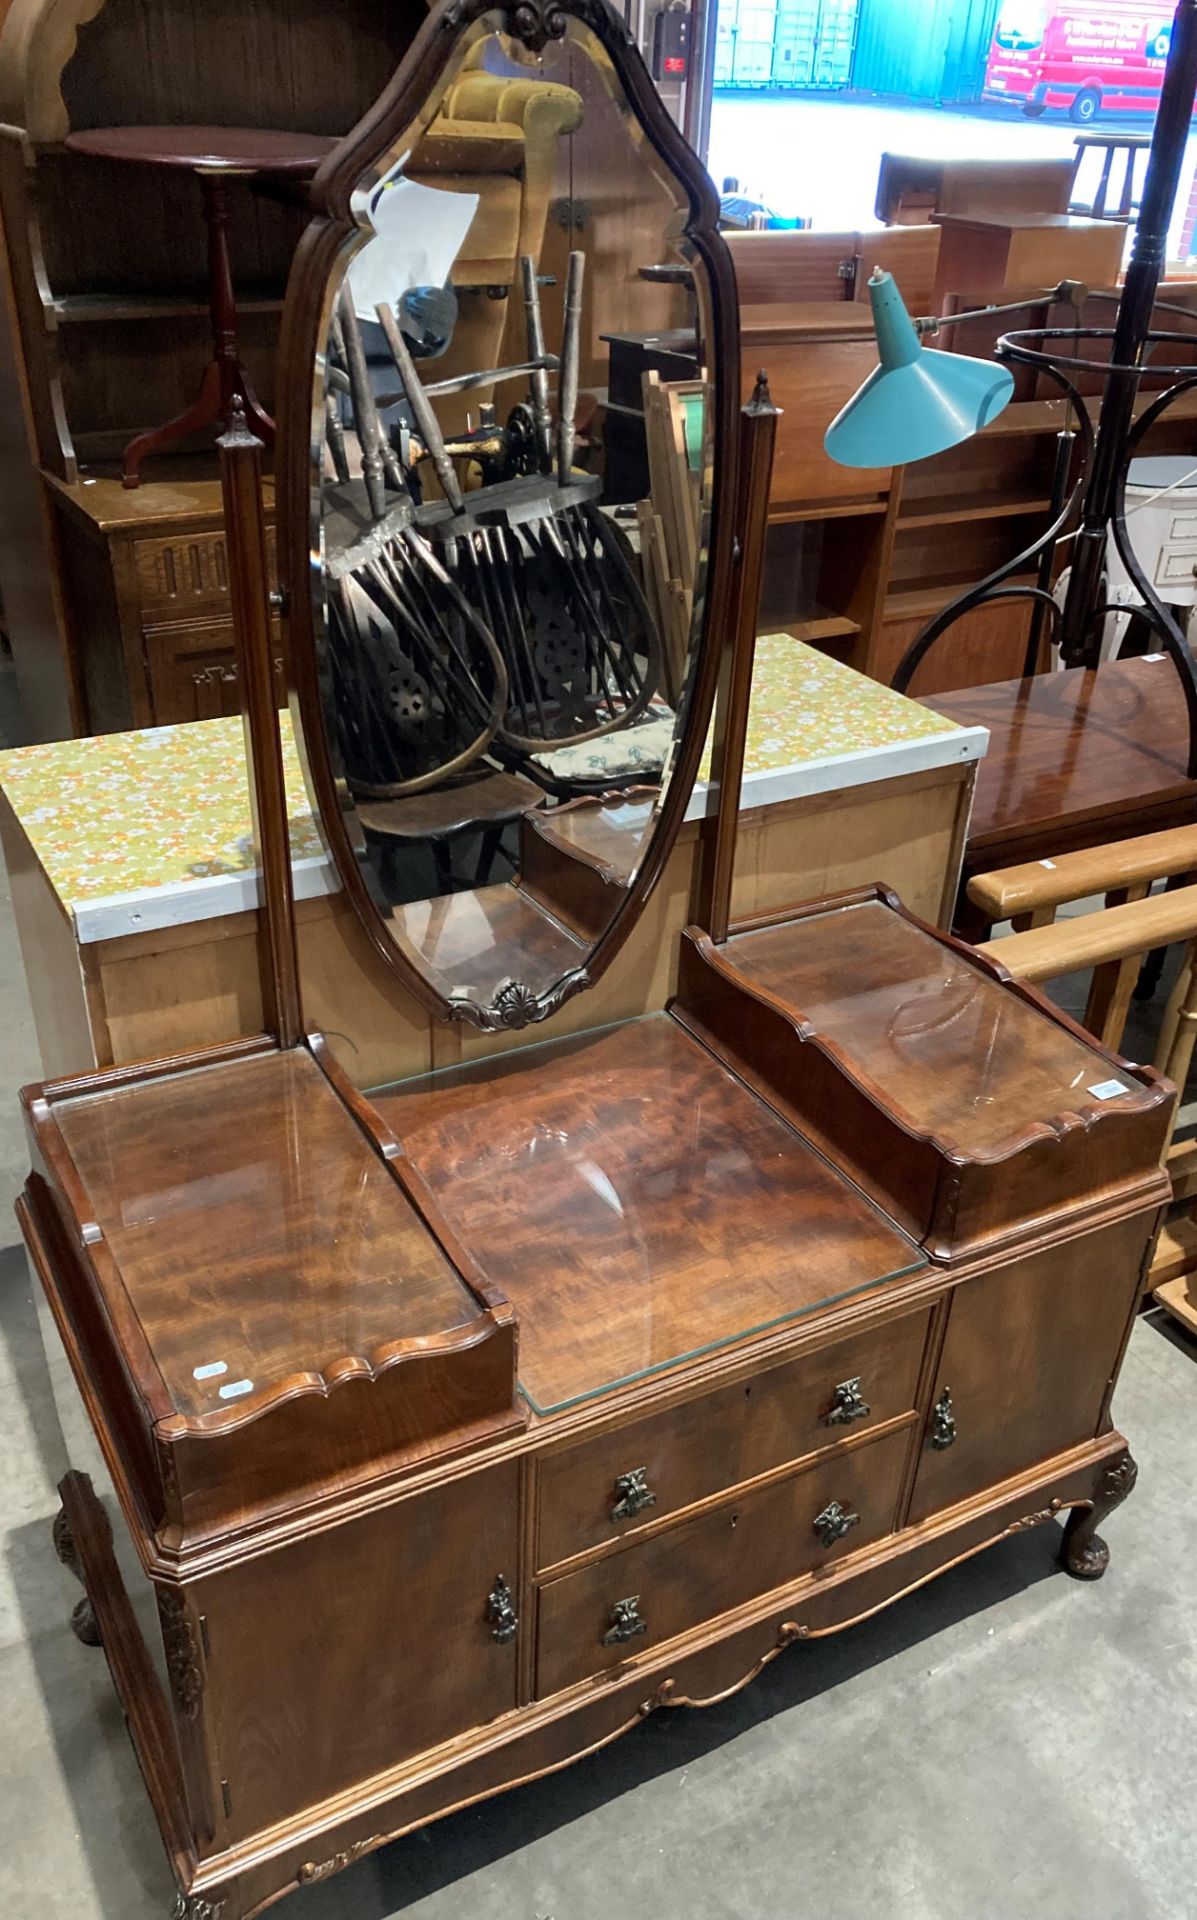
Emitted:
pixel 1085 1553
pixel 84 1625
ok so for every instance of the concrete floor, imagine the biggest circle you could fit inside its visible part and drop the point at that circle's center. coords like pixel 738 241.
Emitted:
pixel 1006 1745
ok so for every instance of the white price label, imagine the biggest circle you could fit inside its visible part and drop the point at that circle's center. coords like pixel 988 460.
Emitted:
pixel 1104 1090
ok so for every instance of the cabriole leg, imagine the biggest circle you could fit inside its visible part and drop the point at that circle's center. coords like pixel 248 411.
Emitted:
pixel 83 1620
pixel 1084 1552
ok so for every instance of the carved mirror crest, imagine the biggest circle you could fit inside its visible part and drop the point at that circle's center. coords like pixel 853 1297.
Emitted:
pixel 501 463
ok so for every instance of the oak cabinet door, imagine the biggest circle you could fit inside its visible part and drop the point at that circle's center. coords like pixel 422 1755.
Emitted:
pixel 1028 1357
pixel 358 1646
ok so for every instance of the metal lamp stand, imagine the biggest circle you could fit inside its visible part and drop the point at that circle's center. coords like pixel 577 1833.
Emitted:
pixel 1095 500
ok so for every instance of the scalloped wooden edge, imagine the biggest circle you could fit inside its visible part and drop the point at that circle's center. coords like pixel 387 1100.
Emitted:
pixel 131 1349
pixel 1057 1128
pixel 324 1381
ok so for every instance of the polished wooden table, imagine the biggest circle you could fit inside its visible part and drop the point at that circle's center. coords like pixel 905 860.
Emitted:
pixel 1075 759
pixel 214 155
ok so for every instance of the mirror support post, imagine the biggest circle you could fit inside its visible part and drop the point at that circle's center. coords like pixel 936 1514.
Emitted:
pixel 249 594
pixel 754 468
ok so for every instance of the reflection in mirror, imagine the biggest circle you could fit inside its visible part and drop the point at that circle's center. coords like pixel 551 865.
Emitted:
pixel 512 478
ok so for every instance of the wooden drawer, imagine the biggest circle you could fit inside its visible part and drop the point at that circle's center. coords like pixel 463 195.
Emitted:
pixel 192 671
pixel 185 573
pixel 1176 566
pixel 703 1567
pixel 723 1439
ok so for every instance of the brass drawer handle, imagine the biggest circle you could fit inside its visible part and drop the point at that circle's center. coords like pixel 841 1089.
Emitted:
pixel 942 1431
pixel 834 1522
pixel 500 1611
pixel 849 1404
pixel 634 1494
pixel 626 1621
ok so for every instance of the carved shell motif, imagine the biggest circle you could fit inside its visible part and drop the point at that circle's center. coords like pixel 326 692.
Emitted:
pixel 515 1005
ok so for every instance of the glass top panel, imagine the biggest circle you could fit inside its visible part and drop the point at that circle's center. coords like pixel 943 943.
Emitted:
pixel 636 1203
pixel 257 1232
pixel 957 1054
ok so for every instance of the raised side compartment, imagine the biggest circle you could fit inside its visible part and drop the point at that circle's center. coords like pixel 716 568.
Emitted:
pixel 972 1110
pixel 255 1301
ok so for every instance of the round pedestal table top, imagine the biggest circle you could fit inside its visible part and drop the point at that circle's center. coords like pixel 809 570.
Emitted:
pixel 206 149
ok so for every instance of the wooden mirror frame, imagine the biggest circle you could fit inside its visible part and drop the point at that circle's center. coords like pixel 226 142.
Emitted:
pixel 534 23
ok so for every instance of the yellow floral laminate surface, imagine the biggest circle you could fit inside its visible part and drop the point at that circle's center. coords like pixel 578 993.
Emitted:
pixel 155 808
pixel 806 706
pixel 158 808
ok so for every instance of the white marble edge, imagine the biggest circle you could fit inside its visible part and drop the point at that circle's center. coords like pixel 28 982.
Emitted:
pixel 149 909
pixel 836 772
pixel 184 902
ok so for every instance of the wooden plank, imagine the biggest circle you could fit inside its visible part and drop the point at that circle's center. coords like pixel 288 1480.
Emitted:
pixel 1074 876
pixel 904 831
pixel 1180 1164
pixel 1171 1276
pixel 1046 952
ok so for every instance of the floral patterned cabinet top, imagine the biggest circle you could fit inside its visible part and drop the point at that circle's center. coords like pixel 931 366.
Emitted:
pixel 150 829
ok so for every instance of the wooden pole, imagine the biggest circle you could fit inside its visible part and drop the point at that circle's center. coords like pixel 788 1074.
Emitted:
pixel 249 594
pixel 758 431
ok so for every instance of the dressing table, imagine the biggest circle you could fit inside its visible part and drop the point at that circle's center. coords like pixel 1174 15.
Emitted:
pixel 427 1436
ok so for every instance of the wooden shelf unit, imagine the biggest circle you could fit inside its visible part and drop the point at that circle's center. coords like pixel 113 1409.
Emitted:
pixel 81 309
pixel 880 552
pixel 106 331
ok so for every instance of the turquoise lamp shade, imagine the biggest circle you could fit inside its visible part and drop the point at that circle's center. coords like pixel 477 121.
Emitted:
pixel 918 401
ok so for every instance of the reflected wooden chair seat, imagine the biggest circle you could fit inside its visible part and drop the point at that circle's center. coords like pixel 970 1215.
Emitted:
pixel 481 802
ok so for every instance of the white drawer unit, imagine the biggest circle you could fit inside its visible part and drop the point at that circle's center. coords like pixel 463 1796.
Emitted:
pixel 1161 510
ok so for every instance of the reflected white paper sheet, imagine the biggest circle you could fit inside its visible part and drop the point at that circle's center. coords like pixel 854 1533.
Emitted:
pixel 418 233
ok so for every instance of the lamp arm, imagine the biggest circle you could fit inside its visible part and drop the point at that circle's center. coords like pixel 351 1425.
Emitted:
pixel 1070 291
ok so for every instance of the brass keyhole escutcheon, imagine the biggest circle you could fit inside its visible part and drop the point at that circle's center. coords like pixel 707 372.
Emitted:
pixel 942 1431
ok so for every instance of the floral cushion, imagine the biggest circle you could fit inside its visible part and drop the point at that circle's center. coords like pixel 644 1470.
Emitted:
pixel 641 748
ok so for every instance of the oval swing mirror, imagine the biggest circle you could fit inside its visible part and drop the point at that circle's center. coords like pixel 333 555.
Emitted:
pixel 502 464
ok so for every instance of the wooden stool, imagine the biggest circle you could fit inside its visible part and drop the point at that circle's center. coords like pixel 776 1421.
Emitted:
pixel 214 155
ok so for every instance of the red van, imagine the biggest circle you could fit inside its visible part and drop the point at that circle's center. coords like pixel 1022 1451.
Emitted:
pixel 1107 55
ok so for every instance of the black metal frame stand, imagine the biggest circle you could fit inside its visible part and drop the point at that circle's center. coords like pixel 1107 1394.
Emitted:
pixel 1093 504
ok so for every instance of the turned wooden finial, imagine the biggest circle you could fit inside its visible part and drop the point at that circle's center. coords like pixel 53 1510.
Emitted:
pixel 762 399
pixel 237 432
